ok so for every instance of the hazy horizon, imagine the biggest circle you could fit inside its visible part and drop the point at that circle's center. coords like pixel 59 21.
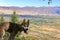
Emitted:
pixel 29 6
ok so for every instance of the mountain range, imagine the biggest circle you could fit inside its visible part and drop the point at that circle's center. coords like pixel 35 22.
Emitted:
pixel 52 11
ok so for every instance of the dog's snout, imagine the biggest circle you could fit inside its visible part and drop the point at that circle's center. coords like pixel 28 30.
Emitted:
pixel 26 29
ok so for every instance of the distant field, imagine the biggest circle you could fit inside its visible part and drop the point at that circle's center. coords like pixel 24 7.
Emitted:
pixel 41 28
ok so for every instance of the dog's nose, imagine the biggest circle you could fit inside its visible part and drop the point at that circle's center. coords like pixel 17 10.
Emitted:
pixel 26 29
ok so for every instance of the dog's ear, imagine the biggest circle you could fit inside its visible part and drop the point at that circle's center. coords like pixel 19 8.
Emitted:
pixel 28 22
pixel 24 20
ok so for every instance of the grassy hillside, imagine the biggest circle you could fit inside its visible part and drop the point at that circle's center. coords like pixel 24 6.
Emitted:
pixel 42 28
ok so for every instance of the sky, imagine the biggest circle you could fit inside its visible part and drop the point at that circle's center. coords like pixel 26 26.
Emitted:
pixel 23 3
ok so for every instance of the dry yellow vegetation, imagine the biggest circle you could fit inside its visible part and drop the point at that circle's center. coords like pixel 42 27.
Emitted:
pixel 44 32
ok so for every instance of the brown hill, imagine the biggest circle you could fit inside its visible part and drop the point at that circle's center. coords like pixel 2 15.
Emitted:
pixel 31 10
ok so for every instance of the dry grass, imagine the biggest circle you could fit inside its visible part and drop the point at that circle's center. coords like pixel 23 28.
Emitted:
pixel 44 32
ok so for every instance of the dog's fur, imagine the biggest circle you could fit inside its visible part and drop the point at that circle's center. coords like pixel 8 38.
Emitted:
pixel 13 28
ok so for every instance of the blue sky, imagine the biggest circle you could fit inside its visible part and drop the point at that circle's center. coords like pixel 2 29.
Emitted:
pixel 23 3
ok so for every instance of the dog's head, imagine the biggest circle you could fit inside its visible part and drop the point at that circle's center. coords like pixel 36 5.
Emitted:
pixel 25 25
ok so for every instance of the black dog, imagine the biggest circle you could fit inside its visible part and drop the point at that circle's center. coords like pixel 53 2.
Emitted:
pixel 15 28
